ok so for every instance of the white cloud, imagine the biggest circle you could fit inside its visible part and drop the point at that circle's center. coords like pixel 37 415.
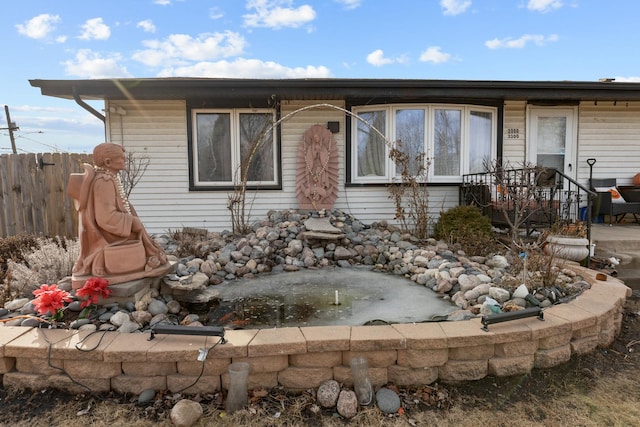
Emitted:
pixel 246 68
pixel 180 48
pixel 454 7
pixel 434 55
pixel 215 13
pixel 508 43
pixel 377 59
pixel 277 14
pixel 350 4
pixel 39 27
pixel 91 65
pixel 162 2
pixel 544 5
pixel 95 29
pixel 147 26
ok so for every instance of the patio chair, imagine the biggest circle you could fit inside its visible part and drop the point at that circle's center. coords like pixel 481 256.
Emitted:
pixel 611 200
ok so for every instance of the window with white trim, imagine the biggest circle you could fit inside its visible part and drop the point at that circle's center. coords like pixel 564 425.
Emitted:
pixel 229 143
pixel 456 139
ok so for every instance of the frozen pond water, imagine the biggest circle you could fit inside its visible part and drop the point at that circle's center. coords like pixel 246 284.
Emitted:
pixel 308 298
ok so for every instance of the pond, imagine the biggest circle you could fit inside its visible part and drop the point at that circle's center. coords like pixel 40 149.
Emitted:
pixel 329 296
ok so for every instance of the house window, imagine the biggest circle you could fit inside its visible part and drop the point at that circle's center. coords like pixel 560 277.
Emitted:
pixel 456 139
pixel 229 144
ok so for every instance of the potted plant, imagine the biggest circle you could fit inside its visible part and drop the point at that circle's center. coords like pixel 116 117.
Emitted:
pixel 568 240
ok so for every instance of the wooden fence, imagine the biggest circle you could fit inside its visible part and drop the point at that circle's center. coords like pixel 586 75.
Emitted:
pixel 33 194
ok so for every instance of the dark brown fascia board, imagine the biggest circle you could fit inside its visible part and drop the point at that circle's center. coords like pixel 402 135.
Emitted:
pixel 185 88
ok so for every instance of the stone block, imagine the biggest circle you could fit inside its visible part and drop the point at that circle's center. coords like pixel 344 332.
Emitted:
pixel 265 363
pixel 422 336
pixel 128 348
pixel 137 384
pixel 84 345
pixel 39 366
pixel 178 348
pixel 515 349
pixel 149 369
pixel 507 366
pixel 554 341
pixel 376 338
pixel 589 331
pixel 304 378
pixel 212 367
pixel 376 359
pixel 92 369
pixel 406 376
pixel 551 325
pixel 466 334
pixel 584 345
pixel 271 342
pixel 607 337
pixel 463 370
pixel 423 358
pixel 475 352
pixel 327 338
pixel 7 364
pixel 8 334
pixel 261 379
pixel 193 384
pixel 35 342
pixel 378 376
pixel 547 358
pixel 327 359
pixel 579 317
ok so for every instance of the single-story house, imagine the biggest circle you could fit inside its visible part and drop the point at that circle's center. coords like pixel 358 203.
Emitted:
pixel 194 131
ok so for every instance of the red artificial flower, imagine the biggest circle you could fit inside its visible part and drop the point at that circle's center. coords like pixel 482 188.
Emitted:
pixel 93 289
pixel 50 299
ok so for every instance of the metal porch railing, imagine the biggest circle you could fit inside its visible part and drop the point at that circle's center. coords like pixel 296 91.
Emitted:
pixel 531 198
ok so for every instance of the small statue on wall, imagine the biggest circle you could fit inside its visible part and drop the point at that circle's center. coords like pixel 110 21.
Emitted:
pixel 317 169
pixel 113 241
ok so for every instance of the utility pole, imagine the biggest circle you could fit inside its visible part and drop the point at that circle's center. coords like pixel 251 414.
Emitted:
pixel 12 127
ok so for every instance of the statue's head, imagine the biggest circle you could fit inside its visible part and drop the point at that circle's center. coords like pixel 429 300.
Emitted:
pixel 106 150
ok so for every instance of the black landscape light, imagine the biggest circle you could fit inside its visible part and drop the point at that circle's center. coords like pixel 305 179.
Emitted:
pixel 511 315
pixel 208 331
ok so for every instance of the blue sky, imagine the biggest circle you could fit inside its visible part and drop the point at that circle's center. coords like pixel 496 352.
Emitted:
pixel 581 40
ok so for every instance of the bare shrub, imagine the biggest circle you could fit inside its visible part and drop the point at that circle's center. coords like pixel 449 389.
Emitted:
pixel 50 261
pixel 12 249
pixel 193 242
pixel 410 194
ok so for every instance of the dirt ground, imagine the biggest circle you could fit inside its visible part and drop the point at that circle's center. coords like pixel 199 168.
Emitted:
pixel 600 388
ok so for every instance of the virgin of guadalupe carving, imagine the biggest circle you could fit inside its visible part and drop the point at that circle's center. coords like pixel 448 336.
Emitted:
pixel 317 169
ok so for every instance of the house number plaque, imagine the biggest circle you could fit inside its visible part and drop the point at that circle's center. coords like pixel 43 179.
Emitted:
pixel 513 133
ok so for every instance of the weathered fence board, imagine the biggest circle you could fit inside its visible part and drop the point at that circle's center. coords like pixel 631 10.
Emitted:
pixel 33 196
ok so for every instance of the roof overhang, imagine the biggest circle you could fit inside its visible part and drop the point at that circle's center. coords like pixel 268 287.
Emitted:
pixel 327 89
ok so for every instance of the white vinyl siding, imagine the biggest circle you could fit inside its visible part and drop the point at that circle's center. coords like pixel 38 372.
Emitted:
pixel 514 133
pixel 610 133
pixel 158 130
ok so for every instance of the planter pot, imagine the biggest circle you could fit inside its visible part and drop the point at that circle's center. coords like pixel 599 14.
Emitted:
pixel 570 248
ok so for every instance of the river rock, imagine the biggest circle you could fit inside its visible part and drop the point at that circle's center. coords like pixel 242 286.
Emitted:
pixel 186 413
pixel 347 405
pixel 387 400
pixel 327 394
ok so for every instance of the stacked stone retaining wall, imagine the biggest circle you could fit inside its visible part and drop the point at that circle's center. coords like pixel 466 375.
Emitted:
pixel 305 357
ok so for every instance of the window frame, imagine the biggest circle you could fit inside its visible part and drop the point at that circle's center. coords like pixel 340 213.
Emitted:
pixel 429 138
pixel 195 184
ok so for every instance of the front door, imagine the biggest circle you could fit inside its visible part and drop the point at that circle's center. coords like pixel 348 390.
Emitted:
pixel 552 138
